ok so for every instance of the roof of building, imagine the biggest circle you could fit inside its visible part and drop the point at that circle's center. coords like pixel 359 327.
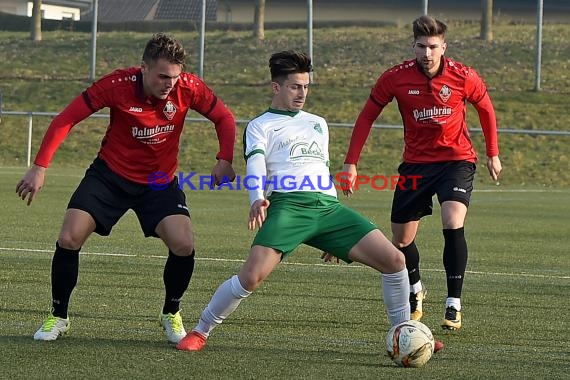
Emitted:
pixel 139 10
pixel 185 10
pixel 123 10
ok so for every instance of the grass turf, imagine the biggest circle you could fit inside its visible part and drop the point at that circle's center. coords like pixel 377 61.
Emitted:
pixel 308 320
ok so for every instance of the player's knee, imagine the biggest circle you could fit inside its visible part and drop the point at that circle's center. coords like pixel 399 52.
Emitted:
pixel 67 240
pixel 403 235
pixel 251 283
pixel 399 244
pixel 393 262
pixel 398 261
pixel 250 280
pixel 183 248
pixel 180 245
pixel 452 224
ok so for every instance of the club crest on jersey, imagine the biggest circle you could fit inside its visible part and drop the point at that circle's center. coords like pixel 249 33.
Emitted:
pixel 445 93
pixel 317 127
pixel 169 110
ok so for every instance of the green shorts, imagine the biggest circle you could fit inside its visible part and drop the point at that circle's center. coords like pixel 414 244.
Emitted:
pixel 312 218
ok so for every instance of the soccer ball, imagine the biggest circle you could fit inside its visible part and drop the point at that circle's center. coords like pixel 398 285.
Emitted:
pixel 410 344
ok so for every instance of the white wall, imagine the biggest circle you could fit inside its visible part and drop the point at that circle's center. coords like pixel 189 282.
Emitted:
pixel 55 12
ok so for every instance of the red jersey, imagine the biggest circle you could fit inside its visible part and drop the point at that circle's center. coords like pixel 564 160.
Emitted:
pixel 143 134
pixel 433 112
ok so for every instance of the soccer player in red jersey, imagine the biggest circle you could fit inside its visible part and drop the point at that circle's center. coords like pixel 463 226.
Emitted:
pixel 134 169
pixel 431 91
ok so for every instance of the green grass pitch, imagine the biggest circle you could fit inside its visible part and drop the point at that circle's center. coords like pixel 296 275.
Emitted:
pixel 308 320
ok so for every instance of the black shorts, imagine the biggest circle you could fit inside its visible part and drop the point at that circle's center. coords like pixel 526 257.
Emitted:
pixel 107 196
pixel 451 181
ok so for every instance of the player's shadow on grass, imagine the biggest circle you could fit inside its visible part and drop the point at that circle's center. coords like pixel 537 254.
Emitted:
pixel 308 357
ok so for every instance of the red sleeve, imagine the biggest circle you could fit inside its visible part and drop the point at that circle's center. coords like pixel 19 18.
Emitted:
pixel 59 128
pixel 361 130
pixel 225 124
pixel 489 125
pixel 477 95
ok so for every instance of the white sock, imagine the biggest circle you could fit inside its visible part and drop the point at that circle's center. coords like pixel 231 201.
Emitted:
pixel 396 291
pixel 224 301
pixel 417 287
pixel 453 302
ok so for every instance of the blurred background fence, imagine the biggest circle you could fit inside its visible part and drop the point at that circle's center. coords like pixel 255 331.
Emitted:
pixel 354 40
pixel 31 116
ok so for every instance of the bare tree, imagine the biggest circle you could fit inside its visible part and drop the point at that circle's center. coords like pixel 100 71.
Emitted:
pixel 259 20
pixel 487 20
pixel 36 24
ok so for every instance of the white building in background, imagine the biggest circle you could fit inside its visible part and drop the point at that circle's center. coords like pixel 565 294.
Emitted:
pixel 56 12
pixel 116 10
pixel 51 9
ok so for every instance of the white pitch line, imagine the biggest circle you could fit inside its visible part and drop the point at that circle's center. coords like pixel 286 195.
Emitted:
pixel 330 265
pixel 51 251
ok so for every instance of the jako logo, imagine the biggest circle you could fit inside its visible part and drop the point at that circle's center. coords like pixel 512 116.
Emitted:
pixel 413 92
pixel 135 109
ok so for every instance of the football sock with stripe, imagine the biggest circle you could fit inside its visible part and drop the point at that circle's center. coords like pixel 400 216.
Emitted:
pixel 454 260
pixel 412 255
pixel 177 274
pixel 64 273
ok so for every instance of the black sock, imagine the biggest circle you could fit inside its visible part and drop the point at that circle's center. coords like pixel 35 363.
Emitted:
pixel 177 274
pixel 412 261
pixel 454 260
pixel 64 273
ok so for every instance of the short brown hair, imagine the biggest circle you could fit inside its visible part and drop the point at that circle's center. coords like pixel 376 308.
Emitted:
pixel 166 47
pixel 288 62
pixel 427 26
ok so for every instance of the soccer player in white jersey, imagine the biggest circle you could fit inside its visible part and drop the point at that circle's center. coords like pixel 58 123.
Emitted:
pixel 293 201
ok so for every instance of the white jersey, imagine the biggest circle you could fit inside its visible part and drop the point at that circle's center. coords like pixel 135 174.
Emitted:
pixel 296 149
